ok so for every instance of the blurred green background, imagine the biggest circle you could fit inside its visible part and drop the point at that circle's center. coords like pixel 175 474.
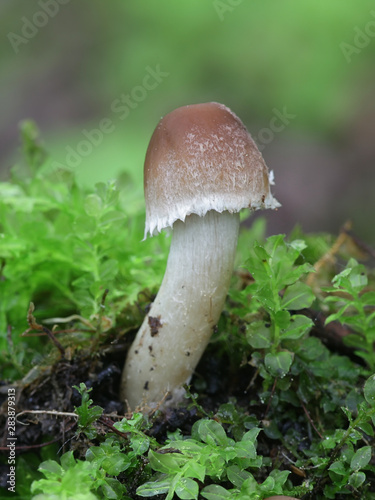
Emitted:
pixel 97 76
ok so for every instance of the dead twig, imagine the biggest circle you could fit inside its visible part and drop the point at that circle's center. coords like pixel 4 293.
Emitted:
pixel 271 397
pixel 45 412
pixel 331 254
pixel 33 325
pixel 345 237
pixel 310 420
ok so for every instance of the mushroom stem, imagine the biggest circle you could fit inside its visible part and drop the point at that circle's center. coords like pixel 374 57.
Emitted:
pixel 178 327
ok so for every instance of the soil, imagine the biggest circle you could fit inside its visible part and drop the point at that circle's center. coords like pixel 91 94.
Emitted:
pixel 215 380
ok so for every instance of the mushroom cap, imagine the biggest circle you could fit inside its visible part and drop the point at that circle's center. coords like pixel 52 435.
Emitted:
pixel 201 158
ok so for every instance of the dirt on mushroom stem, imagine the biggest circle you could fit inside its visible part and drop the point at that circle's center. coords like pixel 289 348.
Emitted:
pixel 186 309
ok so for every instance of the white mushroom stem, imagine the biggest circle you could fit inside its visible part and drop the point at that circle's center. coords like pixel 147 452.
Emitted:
pixel 182 318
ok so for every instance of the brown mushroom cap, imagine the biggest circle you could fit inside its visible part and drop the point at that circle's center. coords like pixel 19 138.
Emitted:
pixel 201 158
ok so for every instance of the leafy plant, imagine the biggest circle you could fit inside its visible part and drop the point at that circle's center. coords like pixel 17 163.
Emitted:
pixel 87 414
pixel 356 308
pixel 280 292
pixel 209 453
pixel 96 476
pixel 344 456
pixel 69 245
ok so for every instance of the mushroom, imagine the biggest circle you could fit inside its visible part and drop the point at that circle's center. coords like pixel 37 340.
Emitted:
pixel 201 168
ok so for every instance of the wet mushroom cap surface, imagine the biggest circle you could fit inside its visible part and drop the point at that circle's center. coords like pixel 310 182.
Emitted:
pixel 201 158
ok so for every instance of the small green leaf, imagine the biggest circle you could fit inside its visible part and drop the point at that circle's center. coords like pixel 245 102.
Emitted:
pixel 282 319
pixel 344 274
pixel 111 217
pixel 109 457
pixel 211 432
pixel 276 243
pixel 34 153
pixel 260 252
pixel 108 192
pixel 298 245
pixel 236 475
pixel 267 299
pixel 367 428
pixel 84 225
pixel 358 279
pixel 268 485
pixel 245 449
pixel 187 489
pixel 369 390
pixel 215 492
pixel 140 444
pixel 251 435
pixel 165 462
pixel 280 477
pixel 297 296
pixel 195 470
pixel 348 413
pixel 353 278
pixel 338 467
pixel 93 205
pixel 311 349
pixel 128 425
pixel 109 270
pixel 299 325
pixel 249 487
pixel 259 335
pixel 368 299
pixel 278 365
pixel 51 468
pixel 361 458
pixel 153 488
pixel 67 460
pixel 357 479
